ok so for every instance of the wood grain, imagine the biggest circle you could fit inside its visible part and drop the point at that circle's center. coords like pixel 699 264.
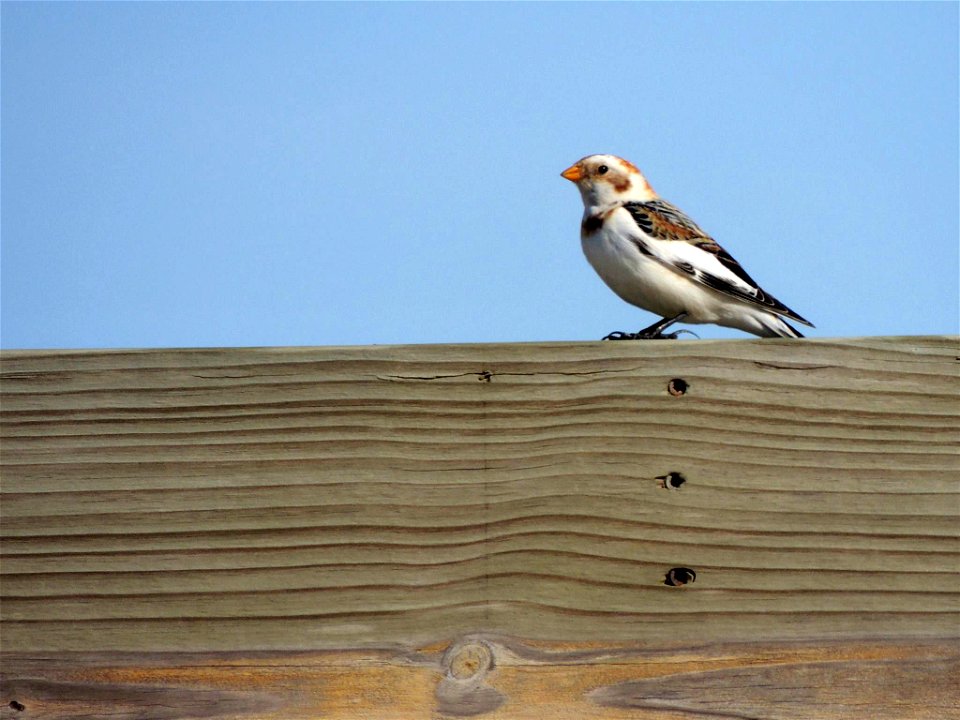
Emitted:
pixel 365 512
pixel 878 681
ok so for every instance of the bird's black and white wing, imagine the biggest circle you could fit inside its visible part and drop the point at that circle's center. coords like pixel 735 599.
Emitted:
pixel 666 234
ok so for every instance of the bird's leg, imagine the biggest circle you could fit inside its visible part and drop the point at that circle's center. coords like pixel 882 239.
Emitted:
pixel 654 332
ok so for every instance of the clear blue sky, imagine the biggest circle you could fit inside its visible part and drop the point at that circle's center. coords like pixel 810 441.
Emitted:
pixel 329 174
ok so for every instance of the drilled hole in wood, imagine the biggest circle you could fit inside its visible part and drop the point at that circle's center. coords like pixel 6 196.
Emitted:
pixel 18 706
pixel 680 576
pixel 677 387
pixel 671 481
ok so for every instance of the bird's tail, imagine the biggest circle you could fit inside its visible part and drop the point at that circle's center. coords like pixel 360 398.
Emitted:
pixel 776 326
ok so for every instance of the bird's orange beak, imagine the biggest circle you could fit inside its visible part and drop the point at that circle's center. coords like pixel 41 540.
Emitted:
pixel 572 173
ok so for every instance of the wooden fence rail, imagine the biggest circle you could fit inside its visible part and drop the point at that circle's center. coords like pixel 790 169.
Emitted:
pixel 655 530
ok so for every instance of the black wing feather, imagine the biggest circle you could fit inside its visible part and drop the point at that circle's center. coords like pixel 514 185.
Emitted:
pixel 661 220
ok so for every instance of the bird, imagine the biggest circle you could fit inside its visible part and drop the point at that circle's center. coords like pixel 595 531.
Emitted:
pixel 655 257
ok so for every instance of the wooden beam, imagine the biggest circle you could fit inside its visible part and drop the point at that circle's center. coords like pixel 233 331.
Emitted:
pixel 634 529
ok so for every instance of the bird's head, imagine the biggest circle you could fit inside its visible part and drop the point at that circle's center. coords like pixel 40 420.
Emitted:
pixel 605 180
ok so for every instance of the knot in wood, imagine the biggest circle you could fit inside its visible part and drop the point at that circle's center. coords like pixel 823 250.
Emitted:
pixel 471 660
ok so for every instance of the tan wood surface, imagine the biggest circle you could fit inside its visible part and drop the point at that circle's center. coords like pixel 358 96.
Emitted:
pixel 480 530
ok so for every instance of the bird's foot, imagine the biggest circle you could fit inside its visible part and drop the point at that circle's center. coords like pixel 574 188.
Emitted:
pixel 643 335
pixel 654 332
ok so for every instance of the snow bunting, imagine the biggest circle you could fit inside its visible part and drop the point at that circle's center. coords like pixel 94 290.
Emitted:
pixel 655 257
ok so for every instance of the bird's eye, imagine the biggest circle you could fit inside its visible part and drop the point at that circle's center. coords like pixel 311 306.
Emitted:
pixel 602 170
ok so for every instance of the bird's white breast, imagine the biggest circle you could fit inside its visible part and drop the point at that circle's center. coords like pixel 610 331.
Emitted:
pixel 635 277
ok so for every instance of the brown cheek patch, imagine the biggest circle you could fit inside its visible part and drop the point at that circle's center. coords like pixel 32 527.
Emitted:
pixel 622 186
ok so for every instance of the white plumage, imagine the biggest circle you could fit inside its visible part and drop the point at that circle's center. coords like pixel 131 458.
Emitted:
pixel 655 257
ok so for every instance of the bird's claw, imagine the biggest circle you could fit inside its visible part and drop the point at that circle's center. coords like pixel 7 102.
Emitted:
pixel 654 332
pixel 620 335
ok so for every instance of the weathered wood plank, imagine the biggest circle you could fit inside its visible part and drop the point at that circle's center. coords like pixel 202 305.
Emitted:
pixel 369 507
pixel 497 677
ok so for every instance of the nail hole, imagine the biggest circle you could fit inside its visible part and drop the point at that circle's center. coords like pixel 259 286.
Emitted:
pixel 677 387
pixel 680 576
pixel 485 376
pixel 18 706
pixel 671 481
